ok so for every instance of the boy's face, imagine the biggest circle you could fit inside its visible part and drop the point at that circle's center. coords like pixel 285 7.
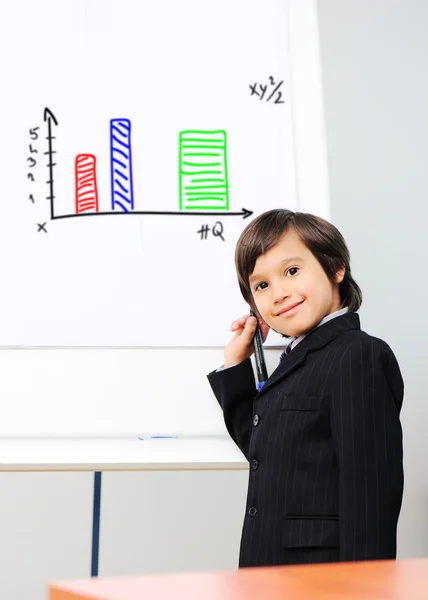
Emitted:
pixel 290 288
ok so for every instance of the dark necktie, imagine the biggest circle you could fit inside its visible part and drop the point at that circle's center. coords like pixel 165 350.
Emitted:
pixel 286 352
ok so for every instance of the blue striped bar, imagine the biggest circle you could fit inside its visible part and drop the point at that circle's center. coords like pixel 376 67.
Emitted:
pixel 122 190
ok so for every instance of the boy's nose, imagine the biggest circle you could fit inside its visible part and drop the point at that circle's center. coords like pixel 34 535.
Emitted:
pixel 280 293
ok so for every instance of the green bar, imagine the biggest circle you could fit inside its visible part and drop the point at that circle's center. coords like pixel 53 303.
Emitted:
pixel 215 140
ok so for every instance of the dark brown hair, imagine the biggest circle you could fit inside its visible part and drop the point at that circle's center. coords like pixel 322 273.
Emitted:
pixel 321 237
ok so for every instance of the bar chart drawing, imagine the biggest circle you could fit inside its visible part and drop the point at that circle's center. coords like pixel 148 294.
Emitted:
pixel 203 170
pixel 203 175
pixel 122 190
pixel 86 183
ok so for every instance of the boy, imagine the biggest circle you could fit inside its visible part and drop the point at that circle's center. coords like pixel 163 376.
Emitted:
pixel 323 436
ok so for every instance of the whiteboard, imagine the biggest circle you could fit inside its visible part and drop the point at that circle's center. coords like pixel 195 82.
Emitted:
pixel 110 238
pixel 87 307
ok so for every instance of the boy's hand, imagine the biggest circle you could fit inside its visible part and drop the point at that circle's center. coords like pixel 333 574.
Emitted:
pixel 240 346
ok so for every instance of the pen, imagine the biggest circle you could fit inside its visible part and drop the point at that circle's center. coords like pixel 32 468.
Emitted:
pixel 262 375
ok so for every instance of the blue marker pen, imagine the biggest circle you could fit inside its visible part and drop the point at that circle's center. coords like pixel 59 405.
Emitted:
pixel 262 375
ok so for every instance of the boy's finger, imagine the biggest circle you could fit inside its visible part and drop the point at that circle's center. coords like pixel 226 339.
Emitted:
pixel 239 323
pixel 249 329
pixel 246 331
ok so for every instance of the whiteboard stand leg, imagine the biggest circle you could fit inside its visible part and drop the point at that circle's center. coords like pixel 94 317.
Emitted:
pixel 96 525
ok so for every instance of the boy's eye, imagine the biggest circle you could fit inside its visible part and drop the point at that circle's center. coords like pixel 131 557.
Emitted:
pixel 292 271
pixel 261 286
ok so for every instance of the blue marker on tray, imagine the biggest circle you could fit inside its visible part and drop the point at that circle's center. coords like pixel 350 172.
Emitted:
pixel 262 375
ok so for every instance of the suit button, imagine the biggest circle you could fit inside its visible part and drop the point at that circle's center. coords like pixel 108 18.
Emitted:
pixel 254 464
pixel 256 420
pixel 253 511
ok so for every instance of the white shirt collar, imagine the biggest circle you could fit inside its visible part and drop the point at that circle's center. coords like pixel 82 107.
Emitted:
pixel 296 340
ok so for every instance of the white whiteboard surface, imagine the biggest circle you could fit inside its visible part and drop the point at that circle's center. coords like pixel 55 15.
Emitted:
pixel 168 67
pixel 111 392
pixel 120 454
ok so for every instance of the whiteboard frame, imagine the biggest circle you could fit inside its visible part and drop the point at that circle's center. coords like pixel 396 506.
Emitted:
pixel 307 108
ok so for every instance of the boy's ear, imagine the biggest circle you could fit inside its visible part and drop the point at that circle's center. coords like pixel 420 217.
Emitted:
pixel 340 275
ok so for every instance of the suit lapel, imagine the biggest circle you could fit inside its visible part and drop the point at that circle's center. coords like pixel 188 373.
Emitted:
pixel 315 340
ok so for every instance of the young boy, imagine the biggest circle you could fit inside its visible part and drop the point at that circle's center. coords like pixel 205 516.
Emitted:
pixel 323 436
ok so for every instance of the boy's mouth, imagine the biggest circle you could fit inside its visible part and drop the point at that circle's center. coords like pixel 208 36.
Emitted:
pixel 287 310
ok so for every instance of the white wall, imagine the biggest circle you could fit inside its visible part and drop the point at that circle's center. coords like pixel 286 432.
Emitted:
pixel 374 63
pixel 156 522
pixel 45 525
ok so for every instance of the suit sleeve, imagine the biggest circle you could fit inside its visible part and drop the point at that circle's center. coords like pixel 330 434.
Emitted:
pixel 365 405
pixel 235 390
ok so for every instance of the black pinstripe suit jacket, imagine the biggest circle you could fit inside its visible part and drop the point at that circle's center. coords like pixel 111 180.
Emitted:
pixel 324 443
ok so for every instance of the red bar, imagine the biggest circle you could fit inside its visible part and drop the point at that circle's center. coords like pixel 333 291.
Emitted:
pixel 86 183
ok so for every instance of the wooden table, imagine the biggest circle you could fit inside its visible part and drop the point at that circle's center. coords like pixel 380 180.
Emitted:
pixel 386 580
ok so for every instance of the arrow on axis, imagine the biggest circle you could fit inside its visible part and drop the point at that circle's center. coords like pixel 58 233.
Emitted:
pixel 49 117
pixel 244 213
